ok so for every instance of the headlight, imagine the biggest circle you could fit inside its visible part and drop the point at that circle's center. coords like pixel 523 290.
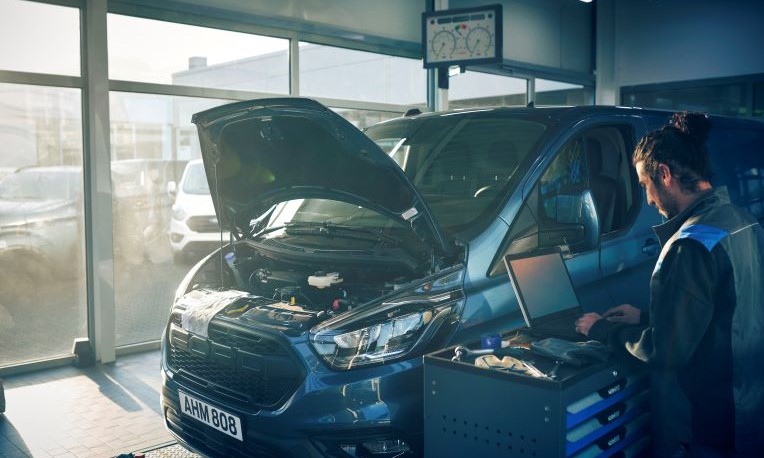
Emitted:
pixel 178 213
pixel 401 327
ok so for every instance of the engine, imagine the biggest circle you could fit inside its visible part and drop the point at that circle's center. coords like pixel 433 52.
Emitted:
pixel 328 287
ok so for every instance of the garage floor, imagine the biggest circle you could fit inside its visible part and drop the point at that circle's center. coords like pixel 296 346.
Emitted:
pixel 96 412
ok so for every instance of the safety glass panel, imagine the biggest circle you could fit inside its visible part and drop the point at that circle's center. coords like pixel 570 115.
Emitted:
pixel 550 92
pixel 726 99
pixel 159 228
pixel 327 71
pixel 152 51
pixel 474 89
pixel 42 241
pixel 365 118
pixel 39 38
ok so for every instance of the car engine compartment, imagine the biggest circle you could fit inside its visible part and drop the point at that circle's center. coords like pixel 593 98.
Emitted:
pixel 312 283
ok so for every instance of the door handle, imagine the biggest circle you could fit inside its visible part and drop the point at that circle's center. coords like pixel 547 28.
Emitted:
pixel 650 247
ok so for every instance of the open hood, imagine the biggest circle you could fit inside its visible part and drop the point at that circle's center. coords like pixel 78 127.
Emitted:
pixel 265 151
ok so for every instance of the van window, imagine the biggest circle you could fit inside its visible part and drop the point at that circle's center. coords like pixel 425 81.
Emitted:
pixel 553 215
pixel 612 179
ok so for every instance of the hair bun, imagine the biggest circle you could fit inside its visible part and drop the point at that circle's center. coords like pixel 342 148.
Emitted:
pixel 695 125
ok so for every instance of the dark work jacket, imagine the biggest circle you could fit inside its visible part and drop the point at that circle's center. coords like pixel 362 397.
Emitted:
pixel 706 320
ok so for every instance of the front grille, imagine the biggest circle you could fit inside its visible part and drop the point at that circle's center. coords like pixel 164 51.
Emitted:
pixel 203 223
pixel 256 371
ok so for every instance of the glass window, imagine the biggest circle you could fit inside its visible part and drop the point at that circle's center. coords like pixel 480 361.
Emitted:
pixel 327 71
pixel 39 38
pixel 727 99
pixel 554 213
pixel 474 89
pixel 461 165
pixel 550 92
pixel 42 274
pixel 365 118
pixel 152 141
pixel 152 51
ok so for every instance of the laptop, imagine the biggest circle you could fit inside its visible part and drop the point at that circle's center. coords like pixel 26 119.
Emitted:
pixel 545 294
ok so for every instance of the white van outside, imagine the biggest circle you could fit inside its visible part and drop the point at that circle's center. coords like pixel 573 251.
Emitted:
pixel 194 228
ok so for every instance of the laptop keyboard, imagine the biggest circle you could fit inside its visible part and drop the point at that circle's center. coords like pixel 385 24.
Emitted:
pixel 563 327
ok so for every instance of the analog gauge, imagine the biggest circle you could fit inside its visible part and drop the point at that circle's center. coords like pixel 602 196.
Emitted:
pixel 443 45
pixel 479 40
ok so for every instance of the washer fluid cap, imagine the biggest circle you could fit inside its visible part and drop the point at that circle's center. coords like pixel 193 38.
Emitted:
pixel 322 281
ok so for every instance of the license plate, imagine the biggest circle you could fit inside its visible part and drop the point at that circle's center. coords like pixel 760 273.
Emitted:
pixel 210 415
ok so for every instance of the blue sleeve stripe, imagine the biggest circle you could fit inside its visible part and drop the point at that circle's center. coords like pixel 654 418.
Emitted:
pixel 709 236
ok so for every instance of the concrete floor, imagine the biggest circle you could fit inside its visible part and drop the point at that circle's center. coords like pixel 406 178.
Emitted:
pixel 96 412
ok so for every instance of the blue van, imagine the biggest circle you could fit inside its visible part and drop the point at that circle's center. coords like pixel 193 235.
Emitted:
pixel 354 253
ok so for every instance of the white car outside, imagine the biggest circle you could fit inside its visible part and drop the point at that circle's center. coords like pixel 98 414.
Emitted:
pixel 194 228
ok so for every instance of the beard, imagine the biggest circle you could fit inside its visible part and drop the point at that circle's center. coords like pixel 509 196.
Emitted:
pixel 666 203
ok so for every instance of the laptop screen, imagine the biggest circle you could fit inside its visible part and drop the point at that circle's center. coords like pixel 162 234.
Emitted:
pixel 542 285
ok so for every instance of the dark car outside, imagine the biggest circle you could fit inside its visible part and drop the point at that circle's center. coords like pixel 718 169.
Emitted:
pixel 40 220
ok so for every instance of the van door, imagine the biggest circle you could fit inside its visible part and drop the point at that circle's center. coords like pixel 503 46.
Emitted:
pixel 628 246
pixel 610 252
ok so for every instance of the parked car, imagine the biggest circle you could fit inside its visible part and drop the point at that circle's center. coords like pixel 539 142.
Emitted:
pixel 194 228
pixel 41 220
pixel 305 336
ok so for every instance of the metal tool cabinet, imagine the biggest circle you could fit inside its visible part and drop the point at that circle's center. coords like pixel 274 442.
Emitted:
pixel 599 410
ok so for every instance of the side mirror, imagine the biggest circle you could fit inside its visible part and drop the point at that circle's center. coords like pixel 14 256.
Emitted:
pixel 172 189
pixel 576 223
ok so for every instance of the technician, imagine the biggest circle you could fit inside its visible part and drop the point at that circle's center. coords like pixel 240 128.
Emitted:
pixel 706 313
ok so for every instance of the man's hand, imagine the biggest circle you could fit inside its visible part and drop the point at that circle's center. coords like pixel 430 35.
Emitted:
pixel 624 313
pixel 585 322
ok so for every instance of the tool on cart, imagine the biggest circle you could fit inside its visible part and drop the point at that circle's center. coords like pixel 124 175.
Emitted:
pixel 512 359
pixel 461 352
pixel 520 359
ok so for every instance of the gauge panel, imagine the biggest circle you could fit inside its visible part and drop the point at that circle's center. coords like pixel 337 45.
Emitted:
pixel 462 36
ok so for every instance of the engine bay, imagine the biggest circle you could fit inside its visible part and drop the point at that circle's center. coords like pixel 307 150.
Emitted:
pixel 311 283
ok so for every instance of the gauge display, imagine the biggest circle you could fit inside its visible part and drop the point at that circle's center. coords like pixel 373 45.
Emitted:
pixel 462 36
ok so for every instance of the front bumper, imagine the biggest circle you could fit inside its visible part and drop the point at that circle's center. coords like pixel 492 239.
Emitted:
pixel 328 415
pixel 185 240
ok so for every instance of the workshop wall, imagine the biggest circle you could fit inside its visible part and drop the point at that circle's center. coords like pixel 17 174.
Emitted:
pixel 550 33
pixel 356 20
pixel 662 41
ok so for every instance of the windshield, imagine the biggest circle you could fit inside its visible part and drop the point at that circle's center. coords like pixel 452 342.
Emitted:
pixel 195 181
pixel 461 164
pixel 41 185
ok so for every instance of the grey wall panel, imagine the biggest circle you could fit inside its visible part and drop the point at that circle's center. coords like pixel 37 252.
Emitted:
pixel 576 37
pixel 661 41
pixel 394 19
pixel 550 33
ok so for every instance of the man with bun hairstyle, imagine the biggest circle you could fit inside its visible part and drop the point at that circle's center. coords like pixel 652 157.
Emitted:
pixel 706 316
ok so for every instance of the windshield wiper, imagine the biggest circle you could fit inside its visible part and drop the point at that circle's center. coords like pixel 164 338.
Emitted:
pixel 338 230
